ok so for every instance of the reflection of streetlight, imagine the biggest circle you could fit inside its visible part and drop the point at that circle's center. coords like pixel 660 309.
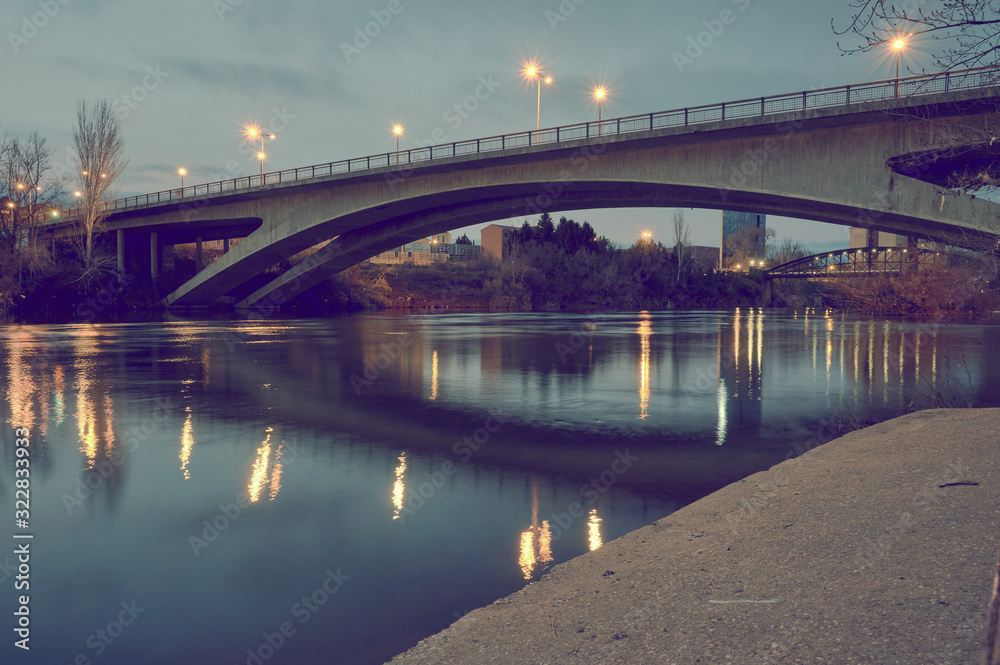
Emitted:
pixel 532 72
pixel 898 44
pixel 255 133
pixel 397 129
pixel 599 95
pixel 182 172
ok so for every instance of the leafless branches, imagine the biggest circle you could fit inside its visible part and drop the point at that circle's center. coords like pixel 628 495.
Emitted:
pixel 967 32
pixel 100 148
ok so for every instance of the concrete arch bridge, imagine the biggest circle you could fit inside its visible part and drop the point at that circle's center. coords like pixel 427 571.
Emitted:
pixel 874 155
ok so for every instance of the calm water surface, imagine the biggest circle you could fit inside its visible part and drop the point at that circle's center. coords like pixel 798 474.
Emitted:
pixel 332 491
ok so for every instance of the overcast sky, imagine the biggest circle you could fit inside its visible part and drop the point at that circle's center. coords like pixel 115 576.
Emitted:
pixel 189 74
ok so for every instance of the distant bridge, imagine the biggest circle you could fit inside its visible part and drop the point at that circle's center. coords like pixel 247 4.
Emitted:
pixel 860 261
pixel 858 155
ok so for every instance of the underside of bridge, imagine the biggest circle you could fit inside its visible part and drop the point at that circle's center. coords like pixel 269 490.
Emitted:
pixel 853 168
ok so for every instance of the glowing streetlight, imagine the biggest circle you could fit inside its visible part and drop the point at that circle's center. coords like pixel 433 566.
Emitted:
pixel 599 95
pixel 532 72
pixel 397 129
pixel 254 133
pixel 182 172
pixel 898 45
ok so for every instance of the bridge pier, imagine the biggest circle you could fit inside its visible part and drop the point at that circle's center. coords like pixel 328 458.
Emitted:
pixel 120 240
pixel 766 293
pixel 154 256
pixel 198 264
pixel 912 256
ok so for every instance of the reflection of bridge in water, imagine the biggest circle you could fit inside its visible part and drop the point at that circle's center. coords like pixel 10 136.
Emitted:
pixel 442 377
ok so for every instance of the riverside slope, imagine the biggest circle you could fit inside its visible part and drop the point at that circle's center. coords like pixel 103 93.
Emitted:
pixel 850 553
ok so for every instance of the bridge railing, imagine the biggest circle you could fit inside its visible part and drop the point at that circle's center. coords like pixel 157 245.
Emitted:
pixel 841 96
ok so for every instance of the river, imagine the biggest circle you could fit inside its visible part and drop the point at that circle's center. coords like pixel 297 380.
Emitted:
pixel 332 491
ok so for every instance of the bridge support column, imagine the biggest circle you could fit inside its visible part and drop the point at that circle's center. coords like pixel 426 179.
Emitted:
pixel 912 255
pixel 198 264
pixel 766 293
pixel 225 245
pixel 168 257
pixel 120 237
pixel 154 256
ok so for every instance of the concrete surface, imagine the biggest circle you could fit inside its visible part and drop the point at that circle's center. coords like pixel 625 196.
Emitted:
pixel 878 547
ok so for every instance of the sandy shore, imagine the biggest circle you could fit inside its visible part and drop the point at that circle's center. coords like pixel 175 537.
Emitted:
pixel 877 547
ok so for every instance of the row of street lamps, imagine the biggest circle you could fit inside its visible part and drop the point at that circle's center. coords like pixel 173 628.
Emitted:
pixel 532 72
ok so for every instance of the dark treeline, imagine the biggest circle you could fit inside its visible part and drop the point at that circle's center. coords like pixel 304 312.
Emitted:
pixel 550 266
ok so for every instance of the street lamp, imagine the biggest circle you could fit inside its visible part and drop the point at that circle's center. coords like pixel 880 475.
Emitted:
pixel 599 95
pixel 256 133
pixel 397 129
pixel 532 72
pixel 182 172
pixel 897 45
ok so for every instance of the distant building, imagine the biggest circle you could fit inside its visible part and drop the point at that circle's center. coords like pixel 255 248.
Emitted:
pixel 496 240
pixel 435 249
pixel 872 238
pixel 733 222
pixel 707 258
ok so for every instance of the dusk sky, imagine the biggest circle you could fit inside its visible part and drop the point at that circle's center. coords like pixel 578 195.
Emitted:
pixel 189 74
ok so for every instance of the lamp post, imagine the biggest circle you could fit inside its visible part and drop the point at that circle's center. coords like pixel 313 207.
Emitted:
pixel 182 172
pixel 532 72
pixel 256 133
pixel 599 95
pixel 397 129
pixel 898 44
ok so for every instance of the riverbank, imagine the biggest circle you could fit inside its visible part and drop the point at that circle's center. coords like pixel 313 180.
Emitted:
pixel 878 547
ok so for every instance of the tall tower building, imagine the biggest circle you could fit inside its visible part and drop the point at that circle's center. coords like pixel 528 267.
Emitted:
pixel 733 221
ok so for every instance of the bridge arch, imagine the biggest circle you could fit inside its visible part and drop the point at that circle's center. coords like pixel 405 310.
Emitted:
pixel 831 156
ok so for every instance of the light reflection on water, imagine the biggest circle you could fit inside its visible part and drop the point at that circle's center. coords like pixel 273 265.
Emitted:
pixel 235 463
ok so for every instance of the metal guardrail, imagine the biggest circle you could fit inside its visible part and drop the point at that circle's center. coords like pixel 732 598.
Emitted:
pixel 983 77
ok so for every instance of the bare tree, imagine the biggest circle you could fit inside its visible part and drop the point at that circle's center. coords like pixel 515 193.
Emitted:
pixel 747 245
pixel 100 149
pixel 27 197
pixel 968 31
pixel 786 250
pixel 682 240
